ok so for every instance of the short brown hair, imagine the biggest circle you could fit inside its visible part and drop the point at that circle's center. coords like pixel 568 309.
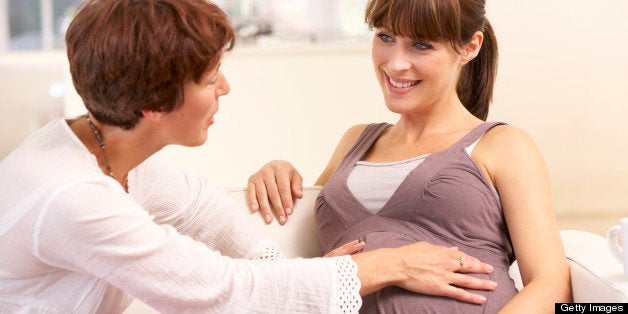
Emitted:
pixel 131 55
pixel 451 20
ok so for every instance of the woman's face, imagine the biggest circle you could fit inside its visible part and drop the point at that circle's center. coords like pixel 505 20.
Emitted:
pixel 415 76
pixel 188 124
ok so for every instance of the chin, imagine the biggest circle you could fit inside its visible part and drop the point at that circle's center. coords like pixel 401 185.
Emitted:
pixel 396 109
pixel 196 142
pixel 200 141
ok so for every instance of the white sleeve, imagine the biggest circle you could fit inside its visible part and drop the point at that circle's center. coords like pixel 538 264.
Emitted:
pixel 197 209
pixel 108 235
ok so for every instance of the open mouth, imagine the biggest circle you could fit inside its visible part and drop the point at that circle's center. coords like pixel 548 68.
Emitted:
pixel 404 84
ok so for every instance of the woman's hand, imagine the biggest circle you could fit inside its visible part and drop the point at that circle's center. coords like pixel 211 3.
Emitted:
pixel 276 183
pixel 348 248
pixel 424 268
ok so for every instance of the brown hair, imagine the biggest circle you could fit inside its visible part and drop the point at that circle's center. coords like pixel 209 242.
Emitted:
pixel 131 55
pixel 452 20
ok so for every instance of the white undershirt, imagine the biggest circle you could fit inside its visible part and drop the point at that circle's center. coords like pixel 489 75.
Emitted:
pixel 374 183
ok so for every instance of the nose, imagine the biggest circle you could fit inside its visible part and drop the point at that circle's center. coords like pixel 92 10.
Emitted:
pixel 400 60
pixel 223 85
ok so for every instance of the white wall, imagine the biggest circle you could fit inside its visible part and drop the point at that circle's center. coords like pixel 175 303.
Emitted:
pixel 561 78
pixel 289 104
pixel 25 100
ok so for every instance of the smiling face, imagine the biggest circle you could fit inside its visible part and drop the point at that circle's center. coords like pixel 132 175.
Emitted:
pixel 188 124
pixel 415 75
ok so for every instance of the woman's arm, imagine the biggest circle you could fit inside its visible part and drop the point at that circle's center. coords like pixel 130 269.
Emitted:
pixel 196 208
pixel 513 162
pixel 113 239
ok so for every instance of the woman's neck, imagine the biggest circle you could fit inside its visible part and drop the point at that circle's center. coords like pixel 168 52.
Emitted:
pixel 440 120
pixel 116 150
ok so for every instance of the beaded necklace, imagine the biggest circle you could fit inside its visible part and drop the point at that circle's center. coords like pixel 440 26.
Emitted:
pixel 104 154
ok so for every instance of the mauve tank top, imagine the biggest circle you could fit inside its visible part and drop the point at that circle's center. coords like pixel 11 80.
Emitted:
pixel 445 201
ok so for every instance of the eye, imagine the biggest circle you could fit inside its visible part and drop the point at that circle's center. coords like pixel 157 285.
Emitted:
pixel 422 46
pixel 212 76
pixel 385 37
pixel 211 79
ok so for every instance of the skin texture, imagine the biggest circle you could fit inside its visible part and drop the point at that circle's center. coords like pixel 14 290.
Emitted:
pixel 189 126
pixel 418 81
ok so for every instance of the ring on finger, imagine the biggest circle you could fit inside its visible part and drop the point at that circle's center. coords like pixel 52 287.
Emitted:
pixel 461 260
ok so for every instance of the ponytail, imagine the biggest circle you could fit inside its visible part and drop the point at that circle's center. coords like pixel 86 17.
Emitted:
pixel 475 86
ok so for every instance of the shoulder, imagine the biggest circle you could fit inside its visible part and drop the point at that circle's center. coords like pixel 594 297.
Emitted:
pixel 506 138
pixel 344 145
pixel 352 134
pixel 506 146
pixel 349 139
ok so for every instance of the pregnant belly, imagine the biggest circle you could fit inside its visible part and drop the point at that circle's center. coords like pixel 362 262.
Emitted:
pixel 398 300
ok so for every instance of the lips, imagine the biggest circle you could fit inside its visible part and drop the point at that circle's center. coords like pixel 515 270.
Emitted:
pixel 210 121
pixel 401 83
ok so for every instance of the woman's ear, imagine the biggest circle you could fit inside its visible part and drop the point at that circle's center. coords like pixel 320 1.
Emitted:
pixel 152 116
pixel 472 48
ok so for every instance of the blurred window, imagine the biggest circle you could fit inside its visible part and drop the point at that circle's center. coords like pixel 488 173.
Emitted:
pixel 286 20
pixel 41 24
pixel 36 24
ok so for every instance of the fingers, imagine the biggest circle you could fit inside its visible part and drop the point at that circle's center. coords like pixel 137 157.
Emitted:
pixel 296 182
pixel 462 295
pixel 438 270
pixel 252 196
pixel 348 248
pixel 262 200
pixel 276 199
pixel 282 200
pixel 469 282
pixel 464 263
pixel 456 281
pixel 273 188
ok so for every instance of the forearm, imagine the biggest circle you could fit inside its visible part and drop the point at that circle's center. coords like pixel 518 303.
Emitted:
pixel 209 215
pixel 194 207
pixel 539 296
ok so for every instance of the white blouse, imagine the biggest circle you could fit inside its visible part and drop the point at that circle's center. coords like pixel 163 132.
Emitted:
pixel 72 241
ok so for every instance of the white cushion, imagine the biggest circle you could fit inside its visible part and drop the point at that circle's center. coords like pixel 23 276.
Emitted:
pixel 596 276
pixel 298 237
